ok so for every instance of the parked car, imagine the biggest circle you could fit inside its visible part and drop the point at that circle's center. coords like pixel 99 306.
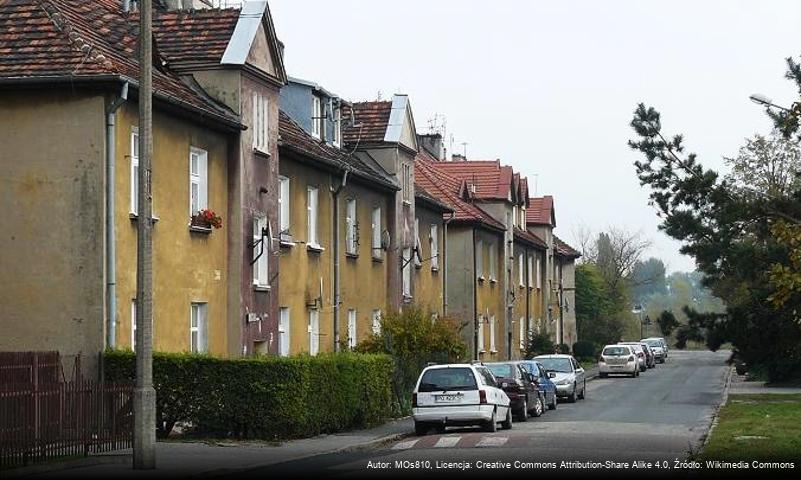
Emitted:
pixel 650 362
pixel 459 394
pixel 544 384
pixel 567 374
pixel 639 353
pixel 658 347
pixel 523 393
pixel 618 359
pixel 664 344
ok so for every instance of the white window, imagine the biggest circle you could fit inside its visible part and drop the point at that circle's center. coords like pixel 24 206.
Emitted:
pixel 283 332
pixel 351 328
pixel 261 252
pixel 198 328
pixel 283 203
pixel 515 216
pixel 135 172
pixel 522 330
pixel 376 230
pixel 376 322
pixel 317 116
pixel 539 279
pixel 418 248
pixel 261 117
pixel 522 218
pixel 406 183
pixel 350 226
pixel 311 217
pixel 198 180
pixel 530 264
pixel 480 259
pixel 520 267
pixel 493 261
pixel 337 140
pixel 481 320
pixel 492 334
pixel 407 272
pixel 434 239
pixel 314 332
pixel 133 324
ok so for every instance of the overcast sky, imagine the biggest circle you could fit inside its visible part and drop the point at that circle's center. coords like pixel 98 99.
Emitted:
pixel 550 87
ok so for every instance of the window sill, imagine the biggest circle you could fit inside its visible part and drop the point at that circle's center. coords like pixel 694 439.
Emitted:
pixel 407 298
pixel 521 287
pixel 493 280
pixel 286 244
pixel 480 278
pixel 261 153
pixel 493 351
pixel 418 266
pixel 351 255
pixel 261 288
pixel 201 230
pixel 434 269
pixel 378 259
pixel 315 248
pixel 135 217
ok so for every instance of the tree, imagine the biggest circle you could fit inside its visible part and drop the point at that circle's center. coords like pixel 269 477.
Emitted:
pixel 648 278
pixel 597 318
pixel 667 322
pixel 729 235
pixel 768 165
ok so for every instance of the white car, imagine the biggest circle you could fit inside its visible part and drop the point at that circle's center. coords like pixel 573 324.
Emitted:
pixel 459 394
pixel 664 344
pixel 618 359
pixel 566 374
pixel 639 352
pixel 659 348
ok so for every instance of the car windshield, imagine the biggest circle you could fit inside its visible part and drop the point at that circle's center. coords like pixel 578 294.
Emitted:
pixel 505 370
pixel 441 379
pixel 616 351
pixel 531 368
pixel 654 343
pixel 562 365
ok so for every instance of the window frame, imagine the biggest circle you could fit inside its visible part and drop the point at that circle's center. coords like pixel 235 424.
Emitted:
pixel 376 321
pixel 284 322
pixel 284 204
pixel 434 246
pixel 199 343
pixel 201 178
pixel 352 326
pixel 406 272
pixel 351 219
pixel 317 117
pixel 530 267
pixel 312 216
pixel 520 269
pixel 377 252
pixel 480 335
pixel 261 268
pixel 337 136
pixel 480 259
pixel 134 172
pixel 493 262
pixel 314 331
pixel 492 325
pixel 133 324
pixel 261 123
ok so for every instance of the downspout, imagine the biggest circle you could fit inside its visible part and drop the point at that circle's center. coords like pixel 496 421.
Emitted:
pixel 445 265
pixel 475 298
pixel 111 238
pixel 529 289
pixel 335 248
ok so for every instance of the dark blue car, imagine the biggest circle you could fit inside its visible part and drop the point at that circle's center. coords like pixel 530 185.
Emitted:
pixel 544 384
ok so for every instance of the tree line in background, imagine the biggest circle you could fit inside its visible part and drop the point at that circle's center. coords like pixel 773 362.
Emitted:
pixel 742 229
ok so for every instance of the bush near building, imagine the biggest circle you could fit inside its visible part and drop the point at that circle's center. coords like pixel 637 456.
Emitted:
pixel 264 397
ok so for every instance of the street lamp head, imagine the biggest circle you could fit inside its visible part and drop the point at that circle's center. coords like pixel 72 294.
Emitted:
pixel 760 99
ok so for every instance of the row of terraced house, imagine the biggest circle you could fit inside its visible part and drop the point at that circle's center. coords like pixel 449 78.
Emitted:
pixel 286 219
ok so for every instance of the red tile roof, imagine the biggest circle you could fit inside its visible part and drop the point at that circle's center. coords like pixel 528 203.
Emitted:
pixel 431 177
pixel 540 211
pixel 530 238
pixel 371 119
pixel 85 39
pixel 197 36
pixel 492 181
pixel 293 137
pixel 564 249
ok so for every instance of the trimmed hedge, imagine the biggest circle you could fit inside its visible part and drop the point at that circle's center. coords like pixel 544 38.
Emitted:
pixel 264 397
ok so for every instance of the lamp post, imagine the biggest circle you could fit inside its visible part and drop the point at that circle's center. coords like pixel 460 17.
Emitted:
pixel 637 310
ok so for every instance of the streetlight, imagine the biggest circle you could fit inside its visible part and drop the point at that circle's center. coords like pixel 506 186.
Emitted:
pixel 637 310
pixel 760 99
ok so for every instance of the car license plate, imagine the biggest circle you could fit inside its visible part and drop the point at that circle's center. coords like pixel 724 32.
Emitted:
pixel 447 398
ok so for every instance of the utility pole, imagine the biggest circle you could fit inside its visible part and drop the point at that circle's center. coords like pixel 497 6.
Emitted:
pixel 144 446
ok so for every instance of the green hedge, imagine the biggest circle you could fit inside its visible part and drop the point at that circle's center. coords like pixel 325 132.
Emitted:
pixel 265 397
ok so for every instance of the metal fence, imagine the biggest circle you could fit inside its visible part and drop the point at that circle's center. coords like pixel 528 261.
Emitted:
pixel 43 418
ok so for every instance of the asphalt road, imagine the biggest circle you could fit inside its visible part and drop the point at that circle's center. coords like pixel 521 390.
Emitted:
pixel 661 416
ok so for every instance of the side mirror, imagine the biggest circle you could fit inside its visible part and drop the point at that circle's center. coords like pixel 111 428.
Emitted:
pixel 551 374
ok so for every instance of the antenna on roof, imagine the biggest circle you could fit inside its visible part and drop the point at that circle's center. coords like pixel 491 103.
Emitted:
pixel 378 96
pixel 464 152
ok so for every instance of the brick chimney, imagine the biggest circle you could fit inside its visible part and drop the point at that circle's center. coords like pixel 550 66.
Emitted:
pixel 458 157
pixel 432 143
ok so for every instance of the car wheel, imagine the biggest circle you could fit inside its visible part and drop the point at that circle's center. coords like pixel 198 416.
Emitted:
pixel 583 391
pixel 572 397
pixel 507 424
pixel 420 428
pixel 524 414
pixel 492 425
pixel 539 407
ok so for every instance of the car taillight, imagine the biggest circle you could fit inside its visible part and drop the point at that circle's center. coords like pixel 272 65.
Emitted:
pixel 482 397
pixel 631 358
pixel 601 360
pixel 414 399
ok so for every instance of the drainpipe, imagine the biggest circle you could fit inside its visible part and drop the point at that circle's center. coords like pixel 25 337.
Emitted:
pixel 335 252
pixel 445 265
pixel 111 239
pixel 475 298
pixel 527 320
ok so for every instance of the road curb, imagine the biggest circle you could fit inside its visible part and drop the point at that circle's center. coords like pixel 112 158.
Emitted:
pixel 716 415
pixel 90 461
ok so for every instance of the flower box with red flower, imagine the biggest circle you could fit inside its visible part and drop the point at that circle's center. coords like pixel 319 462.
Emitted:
pixel 205 219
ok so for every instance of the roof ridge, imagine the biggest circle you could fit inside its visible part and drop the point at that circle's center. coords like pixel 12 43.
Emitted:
pixel 62 24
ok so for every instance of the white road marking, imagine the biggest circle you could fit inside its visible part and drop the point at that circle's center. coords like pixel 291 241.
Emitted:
pixel 492 441
pixel 447 442
pixel 405 445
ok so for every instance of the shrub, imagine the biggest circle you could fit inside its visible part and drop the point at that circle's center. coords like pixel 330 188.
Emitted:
pixel 413 340
pixel 539 344
pixel 564 348
pixel 584 349
pixel 264 397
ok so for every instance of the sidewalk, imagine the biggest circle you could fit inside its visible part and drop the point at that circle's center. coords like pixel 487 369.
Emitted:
pixel 209 459
pixel 741 386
